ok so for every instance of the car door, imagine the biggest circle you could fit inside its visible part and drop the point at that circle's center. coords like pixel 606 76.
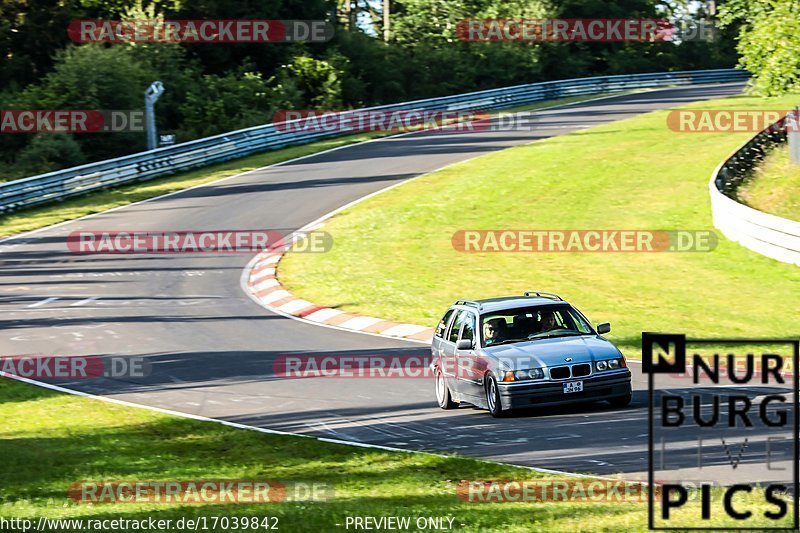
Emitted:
pixel 439 335
pixel 447 350
pixel 470 375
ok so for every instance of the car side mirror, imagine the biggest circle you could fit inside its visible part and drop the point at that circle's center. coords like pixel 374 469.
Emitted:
pixel 464 344
pixel 603 328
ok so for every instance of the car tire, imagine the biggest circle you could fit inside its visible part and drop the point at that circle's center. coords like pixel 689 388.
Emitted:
pixel 443 396
pixel 620 401
pixel 493 399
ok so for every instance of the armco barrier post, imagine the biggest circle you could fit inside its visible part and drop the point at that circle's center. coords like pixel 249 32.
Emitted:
pixel 151 95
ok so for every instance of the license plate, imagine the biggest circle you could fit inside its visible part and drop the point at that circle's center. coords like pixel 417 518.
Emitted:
pixel 575 386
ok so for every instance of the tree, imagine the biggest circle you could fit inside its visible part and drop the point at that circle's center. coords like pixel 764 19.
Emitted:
pixel 267 58
pixel 225 103
pixel 769 42
pixel 316 80
pixel 29 38
pixel 94 77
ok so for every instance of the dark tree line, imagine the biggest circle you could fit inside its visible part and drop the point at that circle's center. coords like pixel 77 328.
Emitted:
pixel 212 88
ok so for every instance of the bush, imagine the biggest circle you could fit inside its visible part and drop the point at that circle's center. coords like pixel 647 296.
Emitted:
pixel 95 78
pixel 225 103
pixel 47 152
pixel 317 81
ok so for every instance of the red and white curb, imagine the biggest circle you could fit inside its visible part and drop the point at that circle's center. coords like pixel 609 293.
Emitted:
pixel 260 282
pixel 263 284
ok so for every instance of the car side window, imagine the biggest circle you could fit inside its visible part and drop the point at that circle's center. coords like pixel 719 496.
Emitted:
pixel 442 327
pixel 456 327
pixel 468 333
pixel 573 319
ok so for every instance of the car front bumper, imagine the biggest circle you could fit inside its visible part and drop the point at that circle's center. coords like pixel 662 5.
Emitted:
pixel 596 387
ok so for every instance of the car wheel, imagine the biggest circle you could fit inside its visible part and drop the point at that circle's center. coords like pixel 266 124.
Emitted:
pixel 493 399
pixel 443 392
pixel 620 401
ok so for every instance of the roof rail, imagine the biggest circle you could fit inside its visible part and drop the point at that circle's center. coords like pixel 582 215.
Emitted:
pixel 470 303
pixel 539 294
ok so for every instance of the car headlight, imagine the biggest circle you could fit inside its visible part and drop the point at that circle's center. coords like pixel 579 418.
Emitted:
pixel 535 373
pixel 531 373
pixel 611 364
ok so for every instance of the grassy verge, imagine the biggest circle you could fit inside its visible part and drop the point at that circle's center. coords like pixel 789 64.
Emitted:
pixel 39 217
pixel 634 174
pixel 50 440
pixel 775 186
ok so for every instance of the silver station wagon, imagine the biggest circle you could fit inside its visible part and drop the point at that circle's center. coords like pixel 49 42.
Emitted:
pixel 525 351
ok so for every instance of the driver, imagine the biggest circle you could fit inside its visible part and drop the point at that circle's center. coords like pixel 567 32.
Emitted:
pixel 548 321
pixel 494 330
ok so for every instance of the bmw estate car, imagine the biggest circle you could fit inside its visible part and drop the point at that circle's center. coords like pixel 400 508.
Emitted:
pixel 517 352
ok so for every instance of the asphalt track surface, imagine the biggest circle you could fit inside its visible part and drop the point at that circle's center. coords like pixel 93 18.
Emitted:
pixel 212 348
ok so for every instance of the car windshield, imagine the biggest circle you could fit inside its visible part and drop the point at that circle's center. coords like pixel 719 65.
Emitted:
pixel 531 323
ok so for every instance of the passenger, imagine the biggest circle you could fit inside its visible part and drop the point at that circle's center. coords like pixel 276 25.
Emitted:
pixel 494 331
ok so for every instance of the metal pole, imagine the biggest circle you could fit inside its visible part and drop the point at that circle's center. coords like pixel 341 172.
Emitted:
pixel 151 95
pixel 793 135
pixel 386 21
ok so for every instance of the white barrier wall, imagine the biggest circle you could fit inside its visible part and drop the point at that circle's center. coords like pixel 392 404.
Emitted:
pixel 769 235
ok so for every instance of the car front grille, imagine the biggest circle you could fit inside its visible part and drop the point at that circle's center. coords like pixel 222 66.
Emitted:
pixel 575 371
pixel 580 370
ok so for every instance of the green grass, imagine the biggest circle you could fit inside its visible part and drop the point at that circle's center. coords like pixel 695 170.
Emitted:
pixel 393 256
pixel 53 213
pixel 50 440
pixel 775 186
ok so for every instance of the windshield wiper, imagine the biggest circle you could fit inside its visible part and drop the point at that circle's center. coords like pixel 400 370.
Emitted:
pixel 553 336
pixel 504 342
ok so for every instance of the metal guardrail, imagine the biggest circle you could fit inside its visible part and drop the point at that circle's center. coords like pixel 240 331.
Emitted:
pixel 769 235
pixel 161 162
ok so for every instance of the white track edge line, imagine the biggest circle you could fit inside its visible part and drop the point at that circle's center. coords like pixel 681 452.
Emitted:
pixel 237 425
